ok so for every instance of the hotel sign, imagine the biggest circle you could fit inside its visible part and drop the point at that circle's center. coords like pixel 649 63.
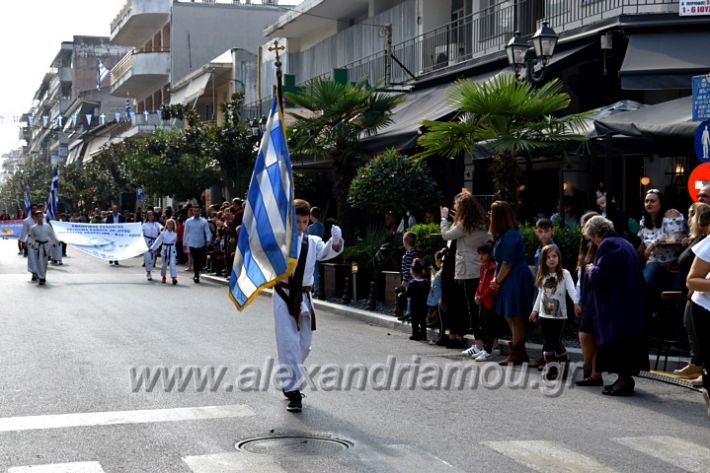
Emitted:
pixel 693 7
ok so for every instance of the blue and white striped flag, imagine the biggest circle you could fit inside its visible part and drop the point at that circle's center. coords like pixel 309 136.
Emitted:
pixel 101 73
pixel 28 201
pixel 53 201
pixel 268 242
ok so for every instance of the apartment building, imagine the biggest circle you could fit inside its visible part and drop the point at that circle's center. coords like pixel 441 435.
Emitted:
pixel 609 51
pixel 172 40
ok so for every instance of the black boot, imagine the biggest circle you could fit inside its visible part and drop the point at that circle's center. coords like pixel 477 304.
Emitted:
pixel 294 401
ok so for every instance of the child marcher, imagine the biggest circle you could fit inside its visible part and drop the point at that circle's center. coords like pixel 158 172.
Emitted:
pixel 485 298
pixel 294 318
pixel 409 240
pixel 417 294
pixel 167 238
pixel 434 299
pixel 550 308
pixel 151 230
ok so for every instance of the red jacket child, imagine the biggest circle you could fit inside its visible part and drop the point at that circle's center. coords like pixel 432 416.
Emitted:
pixel 485 295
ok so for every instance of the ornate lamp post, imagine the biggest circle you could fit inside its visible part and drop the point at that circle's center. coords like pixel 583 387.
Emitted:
pixel 532 58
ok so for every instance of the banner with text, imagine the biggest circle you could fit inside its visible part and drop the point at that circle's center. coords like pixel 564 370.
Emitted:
pixel 107 241
pixel 10 229
pixel 693 7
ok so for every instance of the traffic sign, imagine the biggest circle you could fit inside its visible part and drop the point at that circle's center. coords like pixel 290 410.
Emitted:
pixel 702 142
pixel 699 178
pixel 140 195
pixel 701 98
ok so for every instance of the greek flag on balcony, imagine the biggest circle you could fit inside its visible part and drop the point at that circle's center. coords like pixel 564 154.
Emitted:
pixel 53 201
pixel 268 241
pixel 101 73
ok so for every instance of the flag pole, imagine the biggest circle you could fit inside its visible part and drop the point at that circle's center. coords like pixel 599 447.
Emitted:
pixel 279 74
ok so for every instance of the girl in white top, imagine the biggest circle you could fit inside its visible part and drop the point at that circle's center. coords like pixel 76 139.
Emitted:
pixel 167 238
pixel 550 307
pixel 698 283
pixel 151 230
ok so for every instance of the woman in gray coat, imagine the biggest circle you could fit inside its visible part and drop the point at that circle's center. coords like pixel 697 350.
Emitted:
pixel 469 231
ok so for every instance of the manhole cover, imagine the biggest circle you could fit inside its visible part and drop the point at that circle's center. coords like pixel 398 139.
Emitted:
pixel 294 444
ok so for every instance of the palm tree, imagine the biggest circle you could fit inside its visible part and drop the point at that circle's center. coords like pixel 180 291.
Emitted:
pixel 510 117
pixel 340 115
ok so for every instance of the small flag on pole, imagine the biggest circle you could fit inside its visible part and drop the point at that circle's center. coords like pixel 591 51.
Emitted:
pixel 267 248
pixel 28 201
pixel 53 201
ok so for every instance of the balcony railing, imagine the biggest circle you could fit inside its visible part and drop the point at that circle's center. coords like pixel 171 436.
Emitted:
pixel 485 34
pixel 125 11
pixel 125 65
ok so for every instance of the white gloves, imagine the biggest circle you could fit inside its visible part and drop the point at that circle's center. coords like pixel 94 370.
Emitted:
pixel 336 234
pixel 444 213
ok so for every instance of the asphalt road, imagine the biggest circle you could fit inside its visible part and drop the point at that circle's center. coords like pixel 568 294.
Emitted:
pixel 67 403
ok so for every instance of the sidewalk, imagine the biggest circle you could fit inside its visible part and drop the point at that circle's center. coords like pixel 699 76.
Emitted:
pixel 391 323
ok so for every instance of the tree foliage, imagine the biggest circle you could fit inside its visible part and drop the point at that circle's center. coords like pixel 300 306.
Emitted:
pixel 509 117
pixel 393 182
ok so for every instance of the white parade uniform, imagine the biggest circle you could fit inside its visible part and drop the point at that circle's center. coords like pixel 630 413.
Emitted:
pixel 43 238
pixel 27 239
pixel 151 230
pixel 168 239
pixel 294 345
pixel 57 252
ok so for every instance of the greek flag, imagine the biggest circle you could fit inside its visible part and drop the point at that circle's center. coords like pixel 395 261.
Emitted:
pixel 28 201
pixel 101 73
pixel 268 241
pixel 53 201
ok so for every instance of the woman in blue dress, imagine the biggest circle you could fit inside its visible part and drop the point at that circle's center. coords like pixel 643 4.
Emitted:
pixel 513 280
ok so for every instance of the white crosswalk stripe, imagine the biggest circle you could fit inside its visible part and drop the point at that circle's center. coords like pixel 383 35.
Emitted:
pixel 680 453
pixel 234 462
pixel 90 419
pixel 548 457
pixel 78 467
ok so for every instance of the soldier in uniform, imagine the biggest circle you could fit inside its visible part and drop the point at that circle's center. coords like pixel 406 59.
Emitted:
pixel 294 317
pixel 42 234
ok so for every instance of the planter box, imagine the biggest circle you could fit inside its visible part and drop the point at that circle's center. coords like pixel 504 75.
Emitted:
pixel 393 279
pixel 333 282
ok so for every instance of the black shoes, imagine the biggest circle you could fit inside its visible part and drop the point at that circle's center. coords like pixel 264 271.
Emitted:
pixel 622 387
pixel 418 338
pixel 34 277
pixel 294 401
pixel 589 381
pixel 196 279
pixel 42 281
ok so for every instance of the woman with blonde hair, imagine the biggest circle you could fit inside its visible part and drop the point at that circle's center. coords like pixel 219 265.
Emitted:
pixel 513 280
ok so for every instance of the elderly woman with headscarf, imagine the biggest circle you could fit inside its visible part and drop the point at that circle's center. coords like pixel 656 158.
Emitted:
pixel 616 287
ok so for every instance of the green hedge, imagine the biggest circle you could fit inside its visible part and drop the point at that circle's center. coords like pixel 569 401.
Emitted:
pixel 566 238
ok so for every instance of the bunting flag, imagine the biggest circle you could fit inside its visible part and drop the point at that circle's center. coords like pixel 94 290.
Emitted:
pixel 268 242
pixel 117 116
pixel 45 120
pixel 74 119
pixel 30 120
pixel 102 119
pixel 53 201
pixel 89 116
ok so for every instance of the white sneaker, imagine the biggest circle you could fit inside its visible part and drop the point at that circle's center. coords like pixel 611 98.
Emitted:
pixel 473 351
pixel 484 356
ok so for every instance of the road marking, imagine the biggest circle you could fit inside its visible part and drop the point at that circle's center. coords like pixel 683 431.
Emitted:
pixel 680 453
pixel 548 457
pixel 234 462
pixel 148 416
pixel 80 467
pixel 405 459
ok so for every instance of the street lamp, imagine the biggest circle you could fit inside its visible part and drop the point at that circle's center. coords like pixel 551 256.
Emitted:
pixel 523 54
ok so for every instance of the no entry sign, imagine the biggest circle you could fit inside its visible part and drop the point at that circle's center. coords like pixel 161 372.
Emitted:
pixel 699 178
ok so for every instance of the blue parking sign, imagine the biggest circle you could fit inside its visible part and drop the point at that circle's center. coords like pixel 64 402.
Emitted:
pixel 701 98
pixel 140 195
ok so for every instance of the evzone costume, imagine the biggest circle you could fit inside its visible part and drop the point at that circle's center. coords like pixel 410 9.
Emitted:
pixel 168 239
pixel 294 318
pixel 151 230
pixel 43 237
pixel 26 238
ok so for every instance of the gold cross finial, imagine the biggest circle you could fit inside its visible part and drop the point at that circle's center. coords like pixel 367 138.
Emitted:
pixel 276 48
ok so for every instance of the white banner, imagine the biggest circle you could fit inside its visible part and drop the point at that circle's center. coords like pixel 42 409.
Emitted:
pixel 107 241
pixel 694 7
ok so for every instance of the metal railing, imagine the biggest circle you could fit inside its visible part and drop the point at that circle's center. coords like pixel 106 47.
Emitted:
pixel 485 33
pixel 125 11
pixel 123 66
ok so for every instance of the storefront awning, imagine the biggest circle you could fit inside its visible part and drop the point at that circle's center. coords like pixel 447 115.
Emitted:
pixel 94 147
pixel 670 119
pixel 659 61
pixel 75 151
pixel 191 92
pixel 419 105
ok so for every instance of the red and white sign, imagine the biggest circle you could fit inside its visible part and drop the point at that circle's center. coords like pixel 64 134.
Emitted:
pixel 693 7
pixel 699 178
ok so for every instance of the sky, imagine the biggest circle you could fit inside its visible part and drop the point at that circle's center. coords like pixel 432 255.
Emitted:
pixel 31 32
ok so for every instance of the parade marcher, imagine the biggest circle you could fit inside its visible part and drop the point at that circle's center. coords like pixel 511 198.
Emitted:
pixel 294 318
pixel 26 240
pixel 115 217
pixel 151 230
pixel 42 234
pixel 59 251
pixel 196 236
pixel 168 238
